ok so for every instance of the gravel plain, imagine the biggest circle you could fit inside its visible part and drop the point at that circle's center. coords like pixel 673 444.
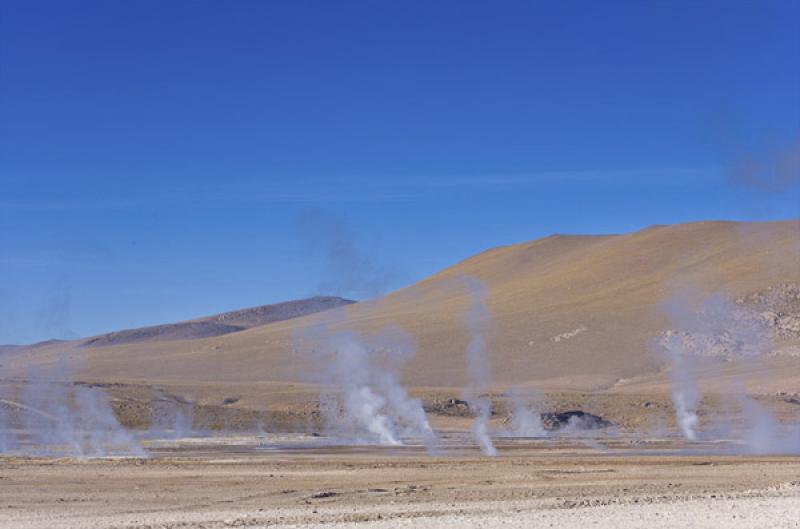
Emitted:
pixel 531 484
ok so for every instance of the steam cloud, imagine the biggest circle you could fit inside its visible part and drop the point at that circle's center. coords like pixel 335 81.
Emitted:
pixel 526 421
pixel 774 171
pixel 8 441
pixel 718 330
pixel 348 269
pixel 53 316
pixel 766 435
pixel 171 418
pixel 479 323
pixel 59 417
pixel 368 404
pixel 685 394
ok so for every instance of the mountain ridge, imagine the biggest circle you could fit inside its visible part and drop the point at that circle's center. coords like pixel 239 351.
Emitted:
pixel 207 326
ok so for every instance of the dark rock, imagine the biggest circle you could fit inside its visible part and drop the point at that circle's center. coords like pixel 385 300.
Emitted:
pixel 575 419
pixel 326 494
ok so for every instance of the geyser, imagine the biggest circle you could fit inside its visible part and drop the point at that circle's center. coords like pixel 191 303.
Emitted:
pixel 723 331
pixel 54 416
pixel 479 323
pixel 368 403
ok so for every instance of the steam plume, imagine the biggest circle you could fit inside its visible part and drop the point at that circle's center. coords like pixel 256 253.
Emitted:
pixel 8 441
pixel 526 421
pixel 721 330
pixel 369 404
pixel 765 434
pixel 63 418
pixel 774 170
pixel 348 269
pixel 685 394
pixel 479 323
pixel 171 418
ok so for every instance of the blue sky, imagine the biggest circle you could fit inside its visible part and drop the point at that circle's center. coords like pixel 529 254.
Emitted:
pixel 164 160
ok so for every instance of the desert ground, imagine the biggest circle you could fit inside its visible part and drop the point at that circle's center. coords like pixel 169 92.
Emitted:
pixel 289 481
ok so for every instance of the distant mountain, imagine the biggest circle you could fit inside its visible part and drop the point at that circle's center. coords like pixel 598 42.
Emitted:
pixel 7 348
pixel 218 324
pixel 14 348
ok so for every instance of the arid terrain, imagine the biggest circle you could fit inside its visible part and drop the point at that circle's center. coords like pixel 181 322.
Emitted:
pixel 230 483
pixel 232 420
pixel 569 312
pixel 576 317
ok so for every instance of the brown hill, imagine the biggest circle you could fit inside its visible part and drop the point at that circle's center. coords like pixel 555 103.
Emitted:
pixel 571 313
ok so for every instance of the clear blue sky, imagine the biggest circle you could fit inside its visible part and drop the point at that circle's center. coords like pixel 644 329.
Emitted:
pixel 164 160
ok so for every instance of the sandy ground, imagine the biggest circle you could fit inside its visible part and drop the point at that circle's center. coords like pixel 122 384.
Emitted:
pixel 240 482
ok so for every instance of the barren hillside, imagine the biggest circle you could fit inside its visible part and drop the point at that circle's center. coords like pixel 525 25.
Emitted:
pixel 570 313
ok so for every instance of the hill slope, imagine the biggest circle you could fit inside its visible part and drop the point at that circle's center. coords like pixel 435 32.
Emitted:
pixel 219 324
pixel 570 312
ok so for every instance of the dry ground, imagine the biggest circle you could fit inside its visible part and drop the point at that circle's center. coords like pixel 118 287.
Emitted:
pixel 238 483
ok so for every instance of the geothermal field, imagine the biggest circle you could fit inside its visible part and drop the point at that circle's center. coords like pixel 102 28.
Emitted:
pixel 649 379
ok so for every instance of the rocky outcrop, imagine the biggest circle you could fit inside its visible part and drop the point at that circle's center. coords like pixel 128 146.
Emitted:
pixel 750 326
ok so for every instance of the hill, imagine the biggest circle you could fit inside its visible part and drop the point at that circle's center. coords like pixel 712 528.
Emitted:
pixel 219 324
pixel 571 313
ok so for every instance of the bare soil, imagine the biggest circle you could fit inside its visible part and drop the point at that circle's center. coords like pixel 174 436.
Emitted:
pixel 297 481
